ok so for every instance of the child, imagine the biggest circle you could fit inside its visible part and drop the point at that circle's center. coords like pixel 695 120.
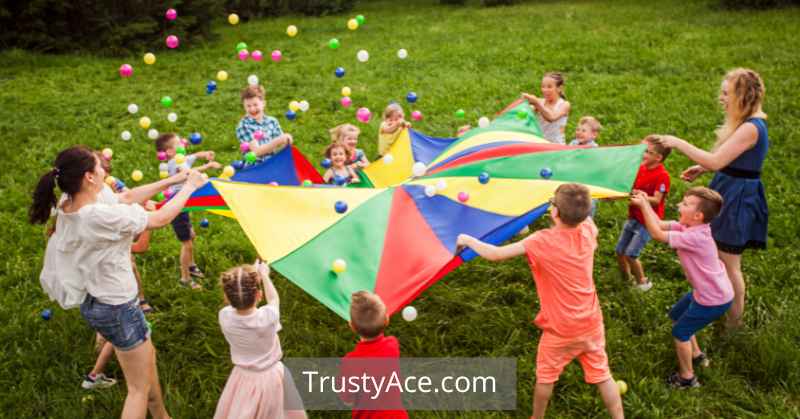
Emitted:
pixel 339 174
pixel 652 179
pixel 347 134
pixel 712 293
pixel 182 224
pixel 368 319
pixel 255 388
pixel 586 132
pixel 552 109
pixel 260 132
pixel 561 259
pixel 393 124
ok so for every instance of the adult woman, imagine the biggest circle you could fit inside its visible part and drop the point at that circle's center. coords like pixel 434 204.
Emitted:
pixel 87 262
pixel 737 158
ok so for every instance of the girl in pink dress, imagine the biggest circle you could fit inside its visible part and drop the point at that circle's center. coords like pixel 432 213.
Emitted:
pixel 255 388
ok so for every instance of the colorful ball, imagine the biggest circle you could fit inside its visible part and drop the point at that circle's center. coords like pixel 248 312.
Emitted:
pixel 352 24
pixel 388 159
pixel 250 157
pixel 418 169
pixel 257 55
pixel 294 106
pixel 363 115
pixel 180 158
pixel 228 171
pixel 340 207
pixel 346 101
pixel 346 91
pixel 162 156
pixel 325 163
pixel 233 19
pixel 166 101
pixel 430 191
pixel 110 180
pixel 546 173
pixel 362 55
pixel 339 266
pixel 171 14
pixel 240 46
pixel 460 114
pixel 144 122
pixel 483 122
pixel 222 75
pixel 258 135
pixel 441 185
pixel 623 387
pixel 463 196
pixel 152 133
pixel 360 19
pixel 333 43
pixel 402 54
pixel 483 178
pixel 237 164
pixel 243 55
pixel 411 97
pixel 204 223
pixel 137 175
pixel 47 314
pixel 107 153
pixel 339 72
pixel 304 105
pixel 307 183
pixel 149 58
pixel 416 115
pixel 252 80
pixel 133 108
pixel 211 86
pixel 409 313
pixel 126 70
pixel 163 174
pixel 172 117
pixel 522 115
pixel 291 30
pixel 291 115
pixel 161 196
pixel 126 135
pixel 172 42
pixel 195 138
pixel 244 147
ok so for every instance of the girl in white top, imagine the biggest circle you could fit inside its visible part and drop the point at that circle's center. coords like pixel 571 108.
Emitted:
pixel 87 262
pixel 552 109
pixel 255 388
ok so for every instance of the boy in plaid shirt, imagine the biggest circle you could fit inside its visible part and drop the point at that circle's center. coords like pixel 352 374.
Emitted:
pixel 262 133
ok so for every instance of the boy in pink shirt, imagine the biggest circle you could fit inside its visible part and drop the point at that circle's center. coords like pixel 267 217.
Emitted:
pixel 712 292
pixel 561 259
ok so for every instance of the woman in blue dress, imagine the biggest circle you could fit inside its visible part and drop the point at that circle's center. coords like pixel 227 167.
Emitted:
pixel 737 158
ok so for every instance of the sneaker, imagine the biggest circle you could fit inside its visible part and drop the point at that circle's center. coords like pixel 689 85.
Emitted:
pixel 675 381
pixel 99 381
pixel 701 361
pixel 196 272
pixel 644 287
pixel 190 283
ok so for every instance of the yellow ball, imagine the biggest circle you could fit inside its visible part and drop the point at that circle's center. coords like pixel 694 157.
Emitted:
pixel 294 106
pixel 137 175
pixel 623 387
pixel 144 122
pixel 228 171
pixel 222 75
pixel 346 91
pixel 352 24
pixel 108 153
pixel 180 158
pixel 233 19
pixel 291 31
pixel 110 180
pixel 163 174
pixel 149 58
pixel 339 266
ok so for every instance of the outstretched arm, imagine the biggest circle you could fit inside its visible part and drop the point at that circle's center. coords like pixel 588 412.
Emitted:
pixel 141 194
pixel 489 251
pixel 654 225
pixel 743 139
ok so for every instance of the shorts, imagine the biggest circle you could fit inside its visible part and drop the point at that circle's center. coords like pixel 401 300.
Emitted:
pixel 633 239
pixel 555 352
pixel 689 317
pixel 123 325
pixel 182 226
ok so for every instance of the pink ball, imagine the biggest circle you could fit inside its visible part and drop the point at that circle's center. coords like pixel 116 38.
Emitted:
pixel 171 14
pixel 463 196
pixel 161 155
pixel 244 147
pixel 185 142
pixel 273 183
pixel 258 135
pixel 346 101
pixel 363 115
pixel 243 54
pixel 416 115
pixel 276 55
pixel 125 70
pixel 257 55
pixel 168 193
pixel 172 41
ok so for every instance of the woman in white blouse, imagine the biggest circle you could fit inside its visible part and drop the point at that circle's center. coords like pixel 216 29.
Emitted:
pixel 87 262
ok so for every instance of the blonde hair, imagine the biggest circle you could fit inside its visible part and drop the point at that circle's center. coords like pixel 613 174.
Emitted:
pixel 341 130
pixel 559 79
pixel 240 286
pixel 592 122
pixel 392 109
pixel 746 94
pixel 367 314
pixel 251 91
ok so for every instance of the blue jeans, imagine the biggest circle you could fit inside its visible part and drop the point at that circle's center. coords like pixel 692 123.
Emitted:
pixel 123 325
pixel 633 239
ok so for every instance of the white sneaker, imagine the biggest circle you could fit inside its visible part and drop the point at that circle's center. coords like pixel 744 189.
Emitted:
pixel 644 287
pixel 100 381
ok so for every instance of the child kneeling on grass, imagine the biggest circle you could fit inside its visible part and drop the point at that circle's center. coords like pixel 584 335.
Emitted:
pixel 561 260
pixel 712 294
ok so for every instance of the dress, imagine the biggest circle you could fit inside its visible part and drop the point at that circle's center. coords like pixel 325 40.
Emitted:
pixel 554 131
pixel 742 223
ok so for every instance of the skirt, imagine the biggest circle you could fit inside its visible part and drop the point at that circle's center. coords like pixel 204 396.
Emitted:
pixel 742 223
pixel 252 394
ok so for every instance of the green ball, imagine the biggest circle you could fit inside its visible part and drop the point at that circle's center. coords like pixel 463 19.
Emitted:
pixel 166 101
pixel 250 157
pixel 160 196
pixel 180 150
pixel 307 182
pixel 522 115
pixel 360 19
pixel 240 46
pixel 460 114
pixel 333 43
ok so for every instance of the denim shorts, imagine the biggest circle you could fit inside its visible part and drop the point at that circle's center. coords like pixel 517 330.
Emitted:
pixel 123 325
pixel 633 239
pixel 690 317
pixel 182 226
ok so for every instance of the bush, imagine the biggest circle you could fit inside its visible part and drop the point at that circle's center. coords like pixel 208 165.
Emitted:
pixel 453 2
pixel 492 3
pixel 320 7
pixel 757 4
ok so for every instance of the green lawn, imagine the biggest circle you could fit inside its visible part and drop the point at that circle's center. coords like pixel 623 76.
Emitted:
pixel 639 67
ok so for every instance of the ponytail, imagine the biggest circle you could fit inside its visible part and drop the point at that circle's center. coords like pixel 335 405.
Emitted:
pixel 67 172
pixel 44 198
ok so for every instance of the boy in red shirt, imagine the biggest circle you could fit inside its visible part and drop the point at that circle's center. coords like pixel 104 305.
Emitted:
pixel 561 259
pixel 368 319
pixel 653 180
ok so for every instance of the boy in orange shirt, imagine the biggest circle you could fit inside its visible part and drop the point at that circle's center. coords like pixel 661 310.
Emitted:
pixel 561 259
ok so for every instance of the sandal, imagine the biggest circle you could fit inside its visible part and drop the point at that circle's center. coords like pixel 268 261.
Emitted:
pixel 190 283
pixel 145 306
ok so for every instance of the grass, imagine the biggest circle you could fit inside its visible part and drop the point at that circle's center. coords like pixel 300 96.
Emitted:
pixel 639 67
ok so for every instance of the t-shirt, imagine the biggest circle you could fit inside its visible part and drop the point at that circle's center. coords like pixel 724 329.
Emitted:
pixel 380 347
pixel 173 167
pixel 253 338
pixel 577 142
pixel 90 252
pixel 561 262
pixel 248 126
pixel 650 181
pixel 701 264
pixel 386 139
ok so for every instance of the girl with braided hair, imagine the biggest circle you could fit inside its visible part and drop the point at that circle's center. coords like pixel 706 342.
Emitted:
pixel 258 384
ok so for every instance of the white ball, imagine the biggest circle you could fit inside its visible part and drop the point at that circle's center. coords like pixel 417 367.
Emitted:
pixel 126 135
pixel 133 108
pixel 152 133
pixel 409 313
pixel 418 169
pixel 304 105
pixel 441 185
pixel 430 191
pixel 252 80
pixel 362 56
pixel 163 167
pixel 172 117
pixel 483 122
pixel 388 159
pixel 402 54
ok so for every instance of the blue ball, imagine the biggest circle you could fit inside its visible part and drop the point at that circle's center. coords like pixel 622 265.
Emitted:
pixel 195 138
pixel 204 223
pixel 47 314
pixel 483 178
pixel 411 97
pixel 339 72
pixel 546 173
pixel 291 115
pixel 340 207
pixel 120 185
pixel 237 164
pixel 212 85
pixel 326 163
